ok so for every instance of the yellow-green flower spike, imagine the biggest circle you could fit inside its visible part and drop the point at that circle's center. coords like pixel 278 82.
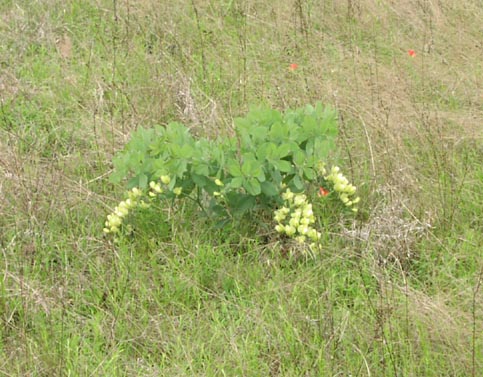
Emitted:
pixel 300 239
pixel 156 187
pixel 294 219
pixel 288 195
pixel 136 192
pixel 290 230
pixel 342 186
pixel 165 179
pixel 280 228
pixel 294 222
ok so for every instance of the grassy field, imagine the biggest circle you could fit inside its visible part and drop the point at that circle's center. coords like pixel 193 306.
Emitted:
pixel 397 292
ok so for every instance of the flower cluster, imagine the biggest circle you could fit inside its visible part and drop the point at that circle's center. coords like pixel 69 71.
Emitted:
pixel 220 184
pixel 115 219
pixel 296 217
pixel 344 189
pixel 134 199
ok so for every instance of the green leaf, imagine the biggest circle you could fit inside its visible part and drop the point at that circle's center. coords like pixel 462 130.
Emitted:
pixel 172 183
pixel 309 147
pixel 297 135
pixel 247 167
pixel 133 182
pixel 310 126
pixel 200 180
pixel 299 157
pixel 269 189
pixel 234 169
pixel 186 151
pixel 177 167
pixel 117 175
pixel 201 169
pixel 284 150
pixel 309 173
pixel 252 167
pixel 252 185
pixel 143 181
pixel 322 148
pixel 236 182
pixel 259 133
pixel 283 166
pixel 240 203
pixel 278 131
pixel 276 177
pixel 266 151
pixel 260 174
pixel 298 183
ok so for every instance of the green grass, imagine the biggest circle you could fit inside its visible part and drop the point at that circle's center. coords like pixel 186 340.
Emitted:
pixel 397 292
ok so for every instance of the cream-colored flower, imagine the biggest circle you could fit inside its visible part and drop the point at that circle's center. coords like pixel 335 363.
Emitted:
pixel 312 234
pixel 279 216
pixel 136 192
pixel 280 228
pixel 321 168
pixel 299 199
pixel 113 219
pixel 290 230
pixel 308 211
pixel 177 191
pixel 121 211
pixel 304 221
pixel 303 229
pixel 143 204
pixel 294 222
pixel 165 179
pixel 351 189
pixel 288 195
pixel 300 239
pixel 156 187
pixel 340 187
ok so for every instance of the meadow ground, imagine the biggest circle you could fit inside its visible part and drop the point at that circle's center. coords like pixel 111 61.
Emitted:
pixel 395 293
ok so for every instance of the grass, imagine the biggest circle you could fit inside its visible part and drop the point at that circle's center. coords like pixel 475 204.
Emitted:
pixel 396 293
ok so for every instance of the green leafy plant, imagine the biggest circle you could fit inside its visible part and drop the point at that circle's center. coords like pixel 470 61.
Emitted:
pixel 270 152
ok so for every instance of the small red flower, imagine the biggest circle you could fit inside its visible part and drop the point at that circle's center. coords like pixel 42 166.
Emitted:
pixel 323 192
pixel 293 66
pixel 412 53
